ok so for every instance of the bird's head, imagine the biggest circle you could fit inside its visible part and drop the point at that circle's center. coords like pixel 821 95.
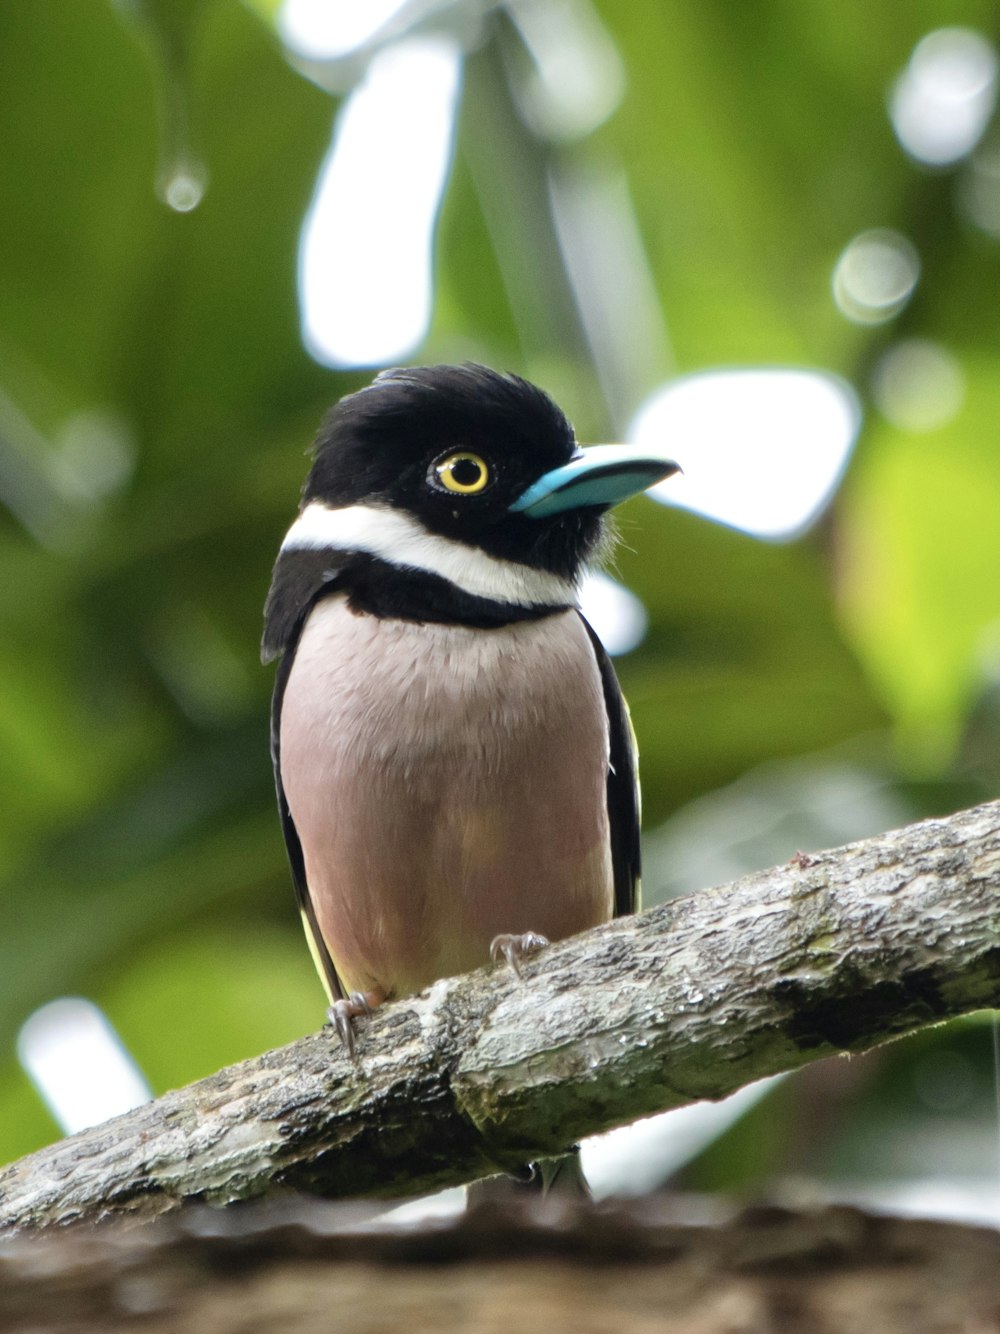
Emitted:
pixel 480 458
pixel 451 493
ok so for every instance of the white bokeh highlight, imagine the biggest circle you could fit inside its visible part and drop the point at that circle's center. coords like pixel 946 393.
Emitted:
pixel 944 99
pixel 875 276
pixel 762 449
pixel 616 615
pixel 577 77
pixel 366 250
pixel 79 1065
pixel 637 1158
pixel 918 385
pixel 332 29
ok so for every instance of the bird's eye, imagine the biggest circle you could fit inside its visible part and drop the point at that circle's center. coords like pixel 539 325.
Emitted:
pixel 463 474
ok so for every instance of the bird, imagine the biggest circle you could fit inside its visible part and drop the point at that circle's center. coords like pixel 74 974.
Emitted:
pixel 454 762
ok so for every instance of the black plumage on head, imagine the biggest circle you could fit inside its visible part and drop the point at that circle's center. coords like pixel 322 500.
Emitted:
pixel 377 446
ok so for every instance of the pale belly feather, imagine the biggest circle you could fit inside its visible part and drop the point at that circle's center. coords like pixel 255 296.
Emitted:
pixel 447 785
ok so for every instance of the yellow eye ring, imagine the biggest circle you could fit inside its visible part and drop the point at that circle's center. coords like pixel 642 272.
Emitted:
pixel 463 474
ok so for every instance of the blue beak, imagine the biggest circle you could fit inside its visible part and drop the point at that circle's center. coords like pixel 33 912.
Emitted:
pixel 600 475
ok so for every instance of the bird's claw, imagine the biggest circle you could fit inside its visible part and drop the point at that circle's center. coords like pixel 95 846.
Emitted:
pixel 363 1001
pixel 517 948
pixel 342 1014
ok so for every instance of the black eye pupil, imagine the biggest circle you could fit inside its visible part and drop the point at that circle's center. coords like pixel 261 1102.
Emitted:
pixel 466 472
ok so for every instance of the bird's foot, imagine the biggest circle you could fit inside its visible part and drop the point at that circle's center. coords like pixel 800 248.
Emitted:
pixel 343 1012
pixel 516 948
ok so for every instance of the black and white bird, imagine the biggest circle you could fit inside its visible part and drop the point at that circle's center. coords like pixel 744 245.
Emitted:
pixel 454 762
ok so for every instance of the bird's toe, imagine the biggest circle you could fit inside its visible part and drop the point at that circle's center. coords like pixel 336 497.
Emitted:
pixel 516 948
pixel 342 1014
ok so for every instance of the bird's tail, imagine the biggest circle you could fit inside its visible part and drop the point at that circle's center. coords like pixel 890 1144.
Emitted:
pixel 561 1176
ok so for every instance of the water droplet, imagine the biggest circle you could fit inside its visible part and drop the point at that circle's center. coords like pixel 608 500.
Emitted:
pixel 184 190
pixel 168 31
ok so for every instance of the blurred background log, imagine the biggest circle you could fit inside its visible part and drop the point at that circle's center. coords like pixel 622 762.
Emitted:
pixel 628 1268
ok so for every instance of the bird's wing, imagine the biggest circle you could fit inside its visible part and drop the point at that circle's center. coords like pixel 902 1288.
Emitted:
pixel 300 579
pixel 624 810
pixel 301 575
pixel 296 860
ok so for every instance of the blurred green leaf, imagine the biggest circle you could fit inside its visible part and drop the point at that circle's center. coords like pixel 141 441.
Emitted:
pixel 221 993
pixel 744 661
pixel 920 566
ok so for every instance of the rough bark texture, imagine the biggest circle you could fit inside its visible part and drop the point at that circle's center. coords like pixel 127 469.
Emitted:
pixel 830 953
pixel 631 1269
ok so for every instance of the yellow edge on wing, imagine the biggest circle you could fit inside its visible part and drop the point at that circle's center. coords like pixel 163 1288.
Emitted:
pixel 317 956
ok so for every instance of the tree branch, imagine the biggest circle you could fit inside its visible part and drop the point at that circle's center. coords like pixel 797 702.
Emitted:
pixel 832 953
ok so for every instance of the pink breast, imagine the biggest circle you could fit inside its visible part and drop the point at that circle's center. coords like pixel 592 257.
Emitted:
pixel 448 785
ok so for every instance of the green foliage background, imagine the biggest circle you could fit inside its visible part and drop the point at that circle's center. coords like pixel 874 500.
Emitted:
pixel 156 404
